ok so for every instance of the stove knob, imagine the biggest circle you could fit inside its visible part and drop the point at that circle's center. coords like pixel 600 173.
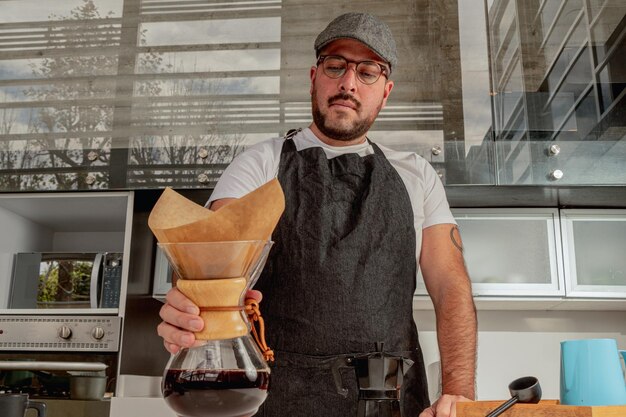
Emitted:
pixel 97 333
pixel 65 332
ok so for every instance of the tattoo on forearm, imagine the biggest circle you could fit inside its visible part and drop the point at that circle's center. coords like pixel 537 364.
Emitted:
pixel 456 240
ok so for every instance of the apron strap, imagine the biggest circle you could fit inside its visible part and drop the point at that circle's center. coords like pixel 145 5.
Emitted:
pixel 291 133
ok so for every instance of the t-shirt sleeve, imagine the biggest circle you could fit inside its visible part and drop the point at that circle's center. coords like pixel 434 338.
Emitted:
pixel 436 207
pixel 248 171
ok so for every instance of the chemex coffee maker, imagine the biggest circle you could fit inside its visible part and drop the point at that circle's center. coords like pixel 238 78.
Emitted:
pixel 379 377
pixel 218 256
pixel 226 374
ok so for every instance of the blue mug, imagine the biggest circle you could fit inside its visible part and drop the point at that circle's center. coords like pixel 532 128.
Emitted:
pixel 591 373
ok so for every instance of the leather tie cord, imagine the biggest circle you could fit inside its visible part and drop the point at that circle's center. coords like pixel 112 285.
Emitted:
pixel 235 308
pixel 254 314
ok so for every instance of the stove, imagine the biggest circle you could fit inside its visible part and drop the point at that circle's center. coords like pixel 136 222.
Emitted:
pixel 37 353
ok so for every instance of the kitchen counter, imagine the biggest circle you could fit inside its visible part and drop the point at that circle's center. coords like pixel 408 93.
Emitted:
pixel 139 406
pixel 139 395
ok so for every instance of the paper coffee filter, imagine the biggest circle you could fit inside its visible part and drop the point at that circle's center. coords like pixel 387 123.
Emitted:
pixel 178 220
pixel 172 210
pixel 213 259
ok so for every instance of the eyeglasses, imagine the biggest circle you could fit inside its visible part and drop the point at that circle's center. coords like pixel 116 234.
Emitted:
pixel 368 72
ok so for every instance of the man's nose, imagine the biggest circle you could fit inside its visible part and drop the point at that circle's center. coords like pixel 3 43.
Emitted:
pixel 349 78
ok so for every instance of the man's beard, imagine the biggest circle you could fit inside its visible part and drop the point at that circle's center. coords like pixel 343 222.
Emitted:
pixel 357 129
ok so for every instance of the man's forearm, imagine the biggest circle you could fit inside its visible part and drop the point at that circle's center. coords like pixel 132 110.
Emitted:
pixel 450 289
pixel 456 334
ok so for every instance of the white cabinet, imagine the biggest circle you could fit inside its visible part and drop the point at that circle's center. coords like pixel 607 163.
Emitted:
pixel 543 258
pixel 595 252
pixel 511 252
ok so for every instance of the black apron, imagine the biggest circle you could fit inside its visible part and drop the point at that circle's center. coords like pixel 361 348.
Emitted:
pixel 340 277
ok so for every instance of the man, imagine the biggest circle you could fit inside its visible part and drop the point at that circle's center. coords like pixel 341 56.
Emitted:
pixel 358 218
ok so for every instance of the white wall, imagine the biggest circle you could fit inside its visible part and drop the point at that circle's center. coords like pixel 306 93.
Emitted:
pixel 88 242
pixel 512 344
pixel 18 234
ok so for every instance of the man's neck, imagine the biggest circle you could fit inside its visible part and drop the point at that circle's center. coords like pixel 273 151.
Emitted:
pixel 335 142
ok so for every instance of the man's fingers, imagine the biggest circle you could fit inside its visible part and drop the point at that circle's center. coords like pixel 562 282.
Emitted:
pixel 179 311
pixel 185 321
pixel 171 348
pixel 429 412
pixel 256 295
pixel 174 336
pixel 445 406
pixel 180 320
pixel 177 299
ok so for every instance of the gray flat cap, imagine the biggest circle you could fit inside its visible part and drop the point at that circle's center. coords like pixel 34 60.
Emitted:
pixel 365 28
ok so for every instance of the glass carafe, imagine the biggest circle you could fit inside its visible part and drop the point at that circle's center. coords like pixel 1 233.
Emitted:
pixel 226 374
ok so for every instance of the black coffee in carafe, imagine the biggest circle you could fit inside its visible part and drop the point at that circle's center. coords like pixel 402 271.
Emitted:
pixel 379 378
pixel 214 393
pixel 15 405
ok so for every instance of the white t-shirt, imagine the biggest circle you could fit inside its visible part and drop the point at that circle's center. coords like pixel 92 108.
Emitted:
pixel 259 164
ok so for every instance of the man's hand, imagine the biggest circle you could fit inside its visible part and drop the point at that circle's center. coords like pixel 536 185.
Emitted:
pixel 181 318
pixel 445 406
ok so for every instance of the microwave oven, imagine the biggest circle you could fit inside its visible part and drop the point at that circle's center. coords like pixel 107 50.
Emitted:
pixel 55 280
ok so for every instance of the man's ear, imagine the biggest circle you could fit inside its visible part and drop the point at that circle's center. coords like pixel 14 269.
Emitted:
pixel 312 75
pixel 388 87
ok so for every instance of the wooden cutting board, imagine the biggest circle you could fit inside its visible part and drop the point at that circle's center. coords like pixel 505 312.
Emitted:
pixel 547 408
